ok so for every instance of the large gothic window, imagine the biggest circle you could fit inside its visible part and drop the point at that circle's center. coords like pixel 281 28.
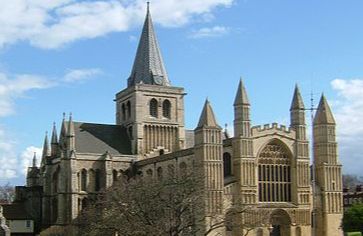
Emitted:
pixel 154 107
pixel 166 109
pixel 274 173
pixel 227 164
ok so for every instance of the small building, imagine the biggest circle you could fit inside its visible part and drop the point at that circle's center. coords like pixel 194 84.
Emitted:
pixel 18 220
pixel 353 197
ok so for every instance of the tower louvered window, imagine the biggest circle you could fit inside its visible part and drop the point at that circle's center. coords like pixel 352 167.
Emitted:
pixel 166 109
pixel 154 107
pixel 274 174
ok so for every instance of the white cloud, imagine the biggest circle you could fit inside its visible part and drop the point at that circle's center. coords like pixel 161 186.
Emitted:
pixel 13 87
pixel 215 31
pixel 8 160
pixel 52 24
pixel 80 75
pixel 348 111
pixel 13 165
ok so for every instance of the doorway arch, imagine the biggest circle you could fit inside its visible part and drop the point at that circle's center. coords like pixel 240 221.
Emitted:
pixel 280 223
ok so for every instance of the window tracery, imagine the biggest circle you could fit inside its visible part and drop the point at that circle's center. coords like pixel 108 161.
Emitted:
pixel 274 174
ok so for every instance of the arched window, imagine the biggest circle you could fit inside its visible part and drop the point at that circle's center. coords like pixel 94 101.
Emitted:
pixel 84 203
pixel 183 169
pixel 114 175
pixel 160 173
pixel 92 180
pixel 128 108
pixel 55 181
pixel 123 108
pixel 171 171
pixel 298 231
pixel 154 107
pixel 166 109
pixel 97 180
pixel 227 164
pixel 274 173
pixel 149 172
pixel 161 152
pixel 84 180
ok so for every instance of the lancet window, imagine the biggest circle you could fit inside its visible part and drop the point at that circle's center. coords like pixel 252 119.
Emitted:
pixel 166 109
pixel 227 164
pixel 274 173
pixel 154 107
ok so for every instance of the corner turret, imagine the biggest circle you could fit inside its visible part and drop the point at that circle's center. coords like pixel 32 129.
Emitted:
pixel 242 122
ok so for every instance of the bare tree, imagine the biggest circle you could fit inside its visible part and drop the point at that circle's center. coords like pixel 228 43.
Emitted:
pixel 166 206
pixel 142 206
pixel 7 193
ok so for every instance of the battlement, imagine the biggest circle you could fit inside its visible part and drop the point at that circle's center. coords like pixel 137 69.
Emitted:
pixel 273 126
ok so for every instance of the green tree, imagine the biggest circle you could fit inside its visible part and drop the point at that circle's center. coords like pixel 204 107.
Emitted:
pixel 353 218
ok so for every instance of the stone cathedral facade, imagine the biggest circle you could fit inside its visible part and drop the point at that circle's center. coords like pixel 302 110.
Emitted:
pixel 267 168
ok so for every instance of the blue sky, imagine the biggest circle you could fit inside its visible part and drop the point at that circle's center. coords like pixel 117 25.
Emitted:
pixel 73 56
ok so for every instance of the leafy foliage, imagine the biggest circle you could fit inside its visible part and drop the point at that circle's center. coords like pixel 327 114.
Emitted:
pixel 353 218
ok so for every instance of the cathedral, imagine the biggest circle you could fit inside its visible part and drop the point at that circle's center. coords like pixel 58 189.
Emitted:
pixel 266 167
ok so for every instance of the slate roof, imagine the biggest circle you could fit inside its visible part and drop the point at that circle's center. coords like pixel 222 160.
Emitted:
pixel 99 138
pixel 148 66
pixel 15 211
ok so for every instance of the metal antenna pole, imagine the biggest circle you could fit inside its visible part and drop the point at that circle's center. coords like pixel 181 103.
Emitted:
pixel 313 165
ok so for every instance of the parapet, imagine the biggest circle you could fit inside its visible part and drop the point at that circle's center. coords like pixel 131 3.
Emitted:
pixel 271 127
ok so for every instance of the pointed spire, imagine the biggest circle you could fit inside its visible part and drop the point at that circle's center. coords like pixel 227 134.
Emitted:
pixel 207 117
pixel 297 101
pixel 54 135
pixel 323 114
pixel 64 125
pixel 46 150
pixel 70 126
pixel 35 160
pixel 148 66
pixel 241 96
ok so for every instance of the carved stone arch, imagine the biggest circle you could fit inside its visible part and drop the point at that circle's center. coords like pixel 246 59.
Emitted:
pixel 280 216
pixel 280 221
pixel 276 141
